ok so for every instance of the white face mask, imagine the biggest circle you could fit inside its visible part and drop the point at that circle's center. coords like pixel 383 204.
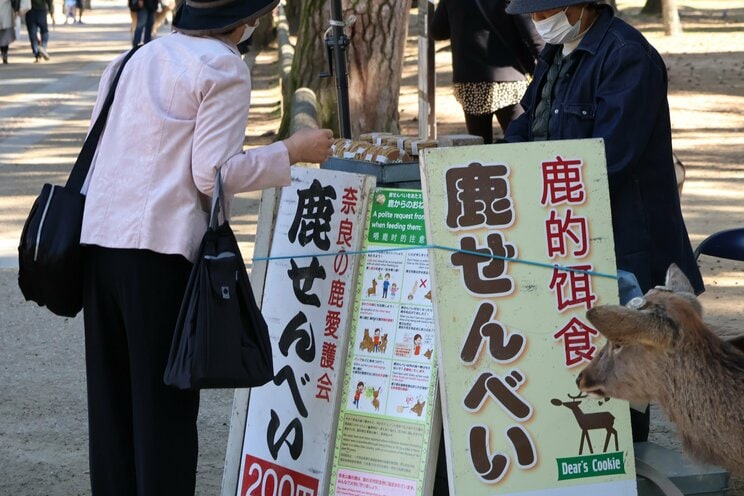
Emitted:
pixel 248 32
pixel 556 29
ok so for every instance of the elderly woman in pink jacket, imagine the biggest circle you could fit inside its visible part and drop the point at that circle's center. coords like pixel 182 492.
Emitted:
pixel 179 117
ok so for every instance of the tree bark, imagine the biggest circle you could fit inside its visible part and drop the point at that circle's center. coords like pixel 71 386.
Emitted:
pixel 670 15
pixel 293 11
pixel 652 7
pixel 378 40
pixel 374 58
pixel 264 33
pixel 308 62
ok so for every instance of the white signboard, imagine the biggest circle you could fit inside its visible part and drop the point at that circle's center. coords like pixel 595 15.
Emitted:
pixel 530 229
pixel 307 301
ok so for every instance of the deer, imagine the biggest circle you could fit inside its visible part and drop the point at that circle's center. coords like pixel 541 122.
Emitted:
pixel 660 350
pixel 589 422
pixel 372 290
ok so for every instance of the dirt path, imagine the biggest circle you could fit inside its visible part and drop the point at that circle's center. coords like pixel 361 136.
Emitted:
pixel 42 384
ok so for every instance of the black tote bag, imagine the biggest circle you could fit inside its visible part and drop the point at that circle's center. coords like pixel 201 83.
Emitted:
pixel 221 339
pixel 50 262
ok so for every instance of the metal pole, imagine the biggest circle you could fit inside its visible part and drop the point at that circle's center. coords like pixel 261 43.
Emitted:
pixel 427 77
pixel 338 43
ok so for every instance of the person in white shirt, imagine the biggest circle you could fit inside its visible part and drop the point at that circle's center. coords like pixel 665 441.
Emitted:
pixel 178 117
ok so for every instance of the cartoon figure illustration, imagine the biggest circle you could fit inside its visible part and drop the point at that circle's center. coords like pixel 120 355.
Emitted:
pixel 367 344
pixel 358 393
pixel 386 285
pixel 428 353
pixel 393 290
pixel 376 341
pixel 372 290
pixel 375 399
pixel 428 296
pixel 417 345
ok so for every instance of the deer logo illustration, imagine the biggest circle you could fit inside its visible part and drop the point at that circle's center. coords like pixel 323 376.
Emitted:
pixel 589 422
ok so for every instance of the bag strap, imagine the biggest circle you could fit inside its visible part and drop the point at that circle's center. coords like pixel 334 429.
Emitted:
pixel 85 158
pixel 495 31
pixel 218 202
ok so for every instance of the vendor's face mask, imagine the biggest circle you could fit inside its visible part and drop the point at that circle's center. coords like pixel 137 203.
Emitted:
pixel 556 29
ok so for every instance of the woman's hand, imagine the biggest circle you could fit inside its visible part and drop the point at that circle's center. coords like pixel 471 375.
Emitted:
pixel 309 145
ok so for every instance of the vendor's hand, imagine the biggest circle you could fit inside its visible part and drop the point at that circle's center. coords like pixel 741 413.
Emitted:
pixel 309 145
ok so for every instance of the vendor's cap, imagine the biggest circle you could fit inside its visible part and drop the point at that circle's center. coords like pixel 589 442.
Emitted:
pixel 201 17
pixel 530 6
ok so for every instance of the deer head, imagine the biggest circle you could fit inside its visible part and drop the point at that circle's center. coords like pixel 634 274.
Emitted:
pixel 645 339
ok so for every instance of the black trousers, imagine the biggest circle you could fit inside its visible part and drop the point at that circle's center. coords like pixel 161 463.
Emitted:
pixel 142 433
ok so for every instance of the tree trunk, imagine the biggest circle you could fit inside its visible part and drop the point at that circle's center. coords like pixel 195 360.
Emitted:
pixel 374 58
pixel 652 7
pixel 264 32
pixel 308 62
pixel 672 25
pixel 293 11
pixel 378 39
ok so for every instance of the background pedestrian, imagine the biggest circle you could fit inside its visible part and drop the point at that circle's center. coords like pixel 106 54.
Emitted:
pixel 492 55
pixel 38 29
pixel 145 14
pixel 7 27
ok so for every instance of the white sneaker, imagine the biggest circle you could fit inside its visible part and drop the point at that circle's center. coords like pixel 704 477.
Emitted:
pixel 43 53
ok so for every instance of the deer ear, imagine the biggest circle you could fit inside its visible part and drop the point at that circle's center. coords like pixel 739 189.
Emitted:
pixel 677 281
pixel 624 326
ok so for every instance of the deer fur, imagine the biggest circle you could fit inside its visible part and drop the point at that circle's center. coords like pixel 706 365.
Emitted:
pixel 659 350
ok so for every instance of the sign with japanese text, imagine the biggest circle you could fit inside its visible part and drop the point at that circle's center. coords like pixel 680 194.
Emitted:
pixel 527 250
pixel 389 389
pixel 307 303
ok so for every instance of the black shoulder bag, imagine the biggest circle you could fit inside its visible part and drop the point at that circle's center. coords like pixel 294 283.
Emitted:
pixel 221 339
pixel 50 263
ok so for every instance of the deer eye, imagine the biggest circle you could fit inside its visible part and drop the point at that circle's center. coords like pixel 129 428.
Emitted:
pixel 616 348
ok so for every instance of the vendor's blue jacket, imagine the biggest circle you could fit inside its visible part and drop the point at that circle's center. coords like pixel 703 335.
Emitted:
pixel 618 91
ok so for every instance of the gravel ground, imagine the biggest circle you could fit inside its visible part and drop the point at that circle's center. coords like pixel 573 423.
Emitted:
pixel 43 118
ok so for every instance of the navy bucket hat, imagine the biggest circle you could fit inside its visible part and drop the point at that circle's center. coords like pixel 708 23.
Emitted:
pixel 530 6
pixel 203 17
